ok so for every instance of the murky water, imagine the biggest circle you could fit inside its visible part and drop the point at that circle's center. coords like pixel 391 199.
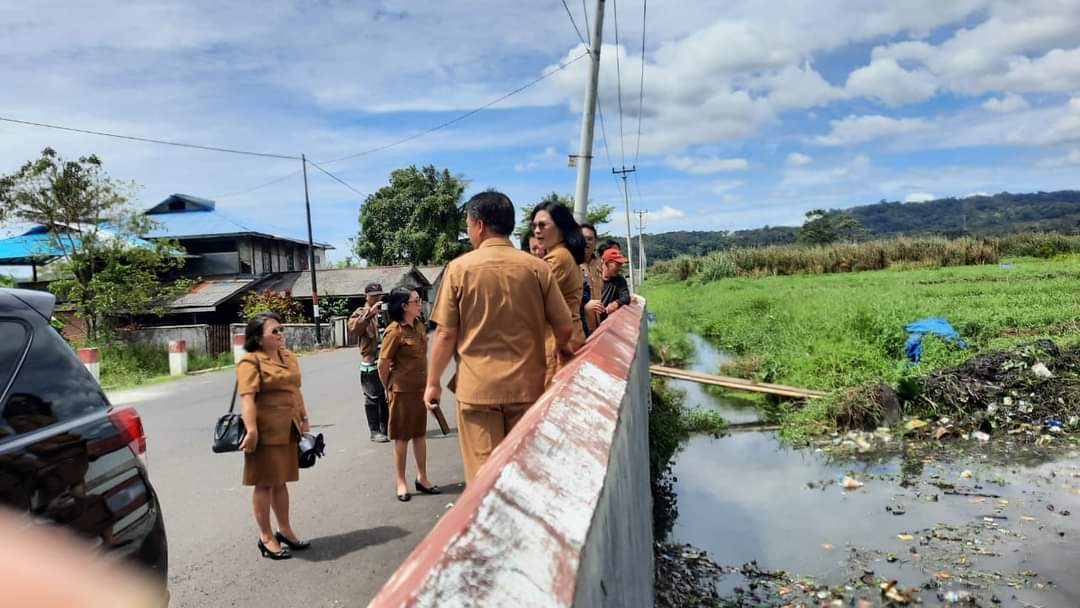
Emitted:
pixel 748 497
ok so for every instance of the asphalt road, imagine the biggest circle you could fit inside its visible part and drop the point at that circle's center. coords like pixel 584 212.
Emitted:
pixel 345 505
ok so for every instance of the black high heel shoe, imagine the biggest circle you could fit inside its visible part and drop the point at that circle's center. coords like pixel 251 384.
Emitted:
pixel 299 545
pixel 434 489
pixel 283 554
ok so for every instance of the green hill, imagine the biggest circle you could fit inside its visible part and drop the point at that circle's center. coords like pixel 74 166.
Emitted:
pixel 1003 213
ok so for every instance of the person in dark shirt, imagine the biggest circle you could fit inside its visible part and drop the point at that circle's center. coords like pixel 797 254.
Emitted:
pixel 616 292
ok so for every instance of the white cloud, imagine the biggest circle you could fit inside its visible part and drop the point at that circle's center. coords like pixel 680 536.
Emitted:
pixel 885 80
pixel 544 159
pixel 664 214
pixel 705 166
pixel 1011 102
pixel 799 178
pixel 798 159
pixel 858 129
pixel 919 197
pixel 720 187
pixel 1068 160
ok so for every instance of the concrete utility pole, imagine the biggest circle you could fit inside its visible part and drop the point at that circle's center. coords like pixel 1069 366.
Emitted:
pixel 629 235
pixel 311 257
pixel 641 241
pixel 588 118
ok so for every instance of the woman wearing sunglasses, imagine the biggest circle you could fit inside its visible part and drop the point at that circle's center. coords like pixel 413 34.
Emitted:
pixel 560 235
pixel 268 382
pixel 403 371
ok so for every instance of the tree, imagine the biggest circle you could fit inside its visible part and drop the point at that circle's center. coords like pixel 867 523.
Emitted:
pixel 596 215
pixel 269 300
pixel 417 219
pixel 104 269
pixel 823 227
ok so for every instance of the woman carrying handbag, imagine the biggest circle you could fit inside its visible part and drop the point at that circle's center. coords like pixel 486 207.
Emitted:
pixel 268 381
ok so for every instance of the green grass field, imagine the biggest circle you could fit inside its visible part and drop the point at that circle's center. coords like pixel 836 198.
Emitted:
pixel 838 330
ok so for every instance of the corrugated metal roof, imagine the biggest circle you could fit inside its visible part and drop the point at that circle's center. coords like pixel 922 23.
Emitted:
pixel 206 295
pixel 345 281
pixel 184 216
pixel 431 273
pixel 35 246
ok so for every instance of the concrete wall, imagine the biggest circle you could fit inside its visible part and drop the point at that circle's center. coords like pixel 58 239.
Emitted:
pixel 561 514
pixel 196 336
pixel 299 336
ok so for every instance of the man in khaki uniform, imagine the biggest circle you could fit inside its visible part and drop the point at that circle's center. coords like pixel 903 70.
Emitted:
pixel 492 310
pixel 365 323
pixel 592 270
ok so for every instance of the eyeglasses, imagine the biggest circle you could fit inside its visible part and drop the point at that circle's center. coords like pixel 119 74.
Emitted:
pixel 540 225
pixel 414 301
pixel 276 331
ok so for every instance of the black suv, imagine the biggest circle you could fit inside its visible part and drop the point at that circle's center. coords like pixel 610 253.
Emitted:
pixel 66 455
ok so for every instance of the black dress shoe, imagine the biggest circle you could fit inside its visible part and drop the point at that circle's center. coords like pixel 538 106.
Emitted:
pixel 297 546
pixel 404 497
pixel 283 554
pixel 434 489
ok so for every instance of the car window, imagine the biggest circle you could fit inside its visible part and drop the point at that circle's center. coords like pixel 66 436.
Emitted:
pixel 51 386
pixel 13 336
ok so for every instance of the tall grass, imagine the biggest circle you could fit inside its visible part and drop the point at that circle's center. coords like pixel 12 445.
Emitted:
pixel 900 253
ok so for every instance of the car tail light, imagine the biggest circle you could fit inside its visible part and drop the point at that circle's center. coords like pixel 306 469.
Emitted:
pixel 129 424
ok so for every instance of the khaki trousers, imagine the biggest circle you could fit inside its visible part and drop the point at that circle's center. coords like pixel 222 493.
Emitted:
pixel 481 428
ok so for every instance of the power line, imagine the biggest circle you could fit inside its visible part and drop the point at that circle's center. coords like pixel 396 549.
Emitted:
pixel 335 178
pixel 588 32
pixel 618 79
pixel 641 91
pixel 149 139
pixel 559 68
pixel 260 186
pixel 574 23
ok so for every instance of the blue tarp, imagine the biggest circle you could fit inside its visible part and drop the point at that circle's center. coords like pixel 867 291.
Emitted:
pixel 932 325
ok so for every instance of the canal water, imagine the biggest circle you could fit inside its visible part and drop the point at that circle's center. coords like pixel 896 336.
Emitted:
pixel 993 520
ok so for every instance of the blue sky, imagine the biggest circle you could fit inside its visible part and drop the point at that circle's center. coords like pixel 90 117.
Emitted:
pixel 753 113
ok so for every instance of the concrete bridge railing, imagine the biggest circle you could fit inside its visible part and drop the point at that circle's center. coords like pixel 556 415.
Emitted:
pixel 561 515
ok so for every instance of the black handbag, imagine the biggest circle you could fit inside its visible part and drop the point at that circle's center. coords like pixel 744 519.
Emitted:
pixel 229 432
pixel 310 449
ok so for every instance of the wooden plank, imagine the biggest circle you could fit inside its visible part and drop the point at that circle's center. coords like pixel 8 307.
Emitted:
pixel 736 383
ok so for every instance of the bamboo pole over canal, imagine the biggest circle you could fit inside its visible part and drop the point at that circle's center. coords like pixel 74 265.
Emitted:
pixel 738 384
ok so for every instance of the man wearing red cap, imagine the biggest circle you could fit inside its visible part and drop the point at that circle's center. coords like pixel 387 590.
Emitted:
pixel 616 292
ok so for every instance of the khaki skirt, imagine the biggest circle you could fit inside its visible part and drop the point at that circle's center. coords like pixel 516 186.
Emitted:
pixel 408 415
pixel 273 465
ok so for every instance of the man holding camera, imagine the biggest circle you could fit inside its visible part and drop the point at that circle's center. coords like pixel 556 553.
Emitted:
pixel 369 322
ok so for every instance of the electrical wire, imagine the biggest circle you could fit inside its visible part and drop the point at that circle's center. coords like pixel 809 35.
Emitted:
pixel 149 139
pixel 259 187
pixel 618 79
pixel 641 90
pixel 574 23
pixel 588 32
pixel 335 178
pixel 559 68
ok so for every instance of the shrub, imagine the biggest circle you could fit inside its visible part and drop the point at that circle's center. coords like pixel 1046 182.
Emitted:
pixel 269 300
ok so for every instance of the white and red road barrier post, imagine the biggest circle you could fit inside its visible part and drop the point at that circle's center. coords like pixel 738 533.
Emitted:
pixel 91 358
pixel 238 348
pixel 178 358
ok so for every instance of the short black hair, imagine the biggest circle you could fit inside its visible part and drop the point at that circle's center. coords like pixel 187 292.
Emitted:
pixel 567 225
pixel 253 333
pixel 493 208
pixel 590 227
pixel 396 302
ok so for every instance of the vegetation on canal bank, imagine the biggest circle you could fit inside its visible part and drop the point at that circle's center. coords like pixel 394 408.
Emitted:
pixel 839 331
pixel 920 252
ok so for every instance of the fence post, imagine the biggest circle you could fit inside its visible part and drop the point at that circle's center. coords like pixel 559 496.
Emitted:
pixel 238 348
pixel 178 358
pixel 91 358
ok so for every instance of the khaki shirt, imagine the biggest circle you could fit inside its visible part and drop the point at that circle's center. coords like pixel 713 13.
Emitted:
pixel 500 300
pixel 405 347
pixel 367 332
pixel 279 406
pixel 594 274
pixel 567 275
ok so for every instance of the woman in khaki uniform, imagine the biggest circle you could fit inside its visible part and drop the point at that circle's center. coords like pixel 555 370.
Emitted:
pixel 268 381
pixel 557 231
pixel 403 371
